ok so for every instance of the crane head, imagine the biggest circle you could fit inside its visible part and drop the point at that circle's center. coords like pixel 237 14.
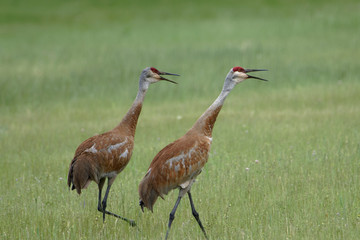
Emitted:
pixel 153 75
pixel 239 74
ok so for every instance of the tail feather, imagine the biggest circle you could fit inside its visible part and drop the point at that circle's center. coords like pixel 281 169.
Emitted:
pixel 79 176
pixel 148 194
pixel 70 174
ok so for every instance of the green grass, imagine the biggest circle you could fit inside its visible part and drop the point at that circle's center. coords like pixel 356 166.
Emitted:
pixel 70 70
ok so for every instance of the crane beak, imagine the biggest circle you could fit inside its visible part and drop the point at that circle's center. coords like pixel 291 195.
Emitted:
pixel 255 70
pixel 165 73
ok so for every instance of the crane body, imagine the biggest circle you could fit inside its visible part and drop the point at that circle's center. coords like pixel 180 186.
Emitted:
pixel 104 156
pixel 179 163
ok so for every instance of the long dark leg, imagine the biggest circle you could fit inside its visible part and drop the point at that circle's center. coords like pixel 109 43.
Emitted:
pixel 100 185
pixel 196 214
pixel 172 215
pixel 104 203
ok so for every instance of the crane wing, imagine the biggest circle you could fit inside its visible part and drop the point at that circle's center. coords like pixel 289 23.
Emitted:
pixel 178 163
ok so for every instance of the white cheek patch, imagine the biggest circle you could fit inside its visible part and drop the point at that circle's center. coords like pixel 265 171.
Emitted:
pixel 239 77
pixel 153 79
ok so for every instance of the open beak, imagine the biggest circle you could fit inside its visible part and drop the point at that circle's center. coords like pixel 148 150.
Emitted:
pixel 165 73
pixel 255 70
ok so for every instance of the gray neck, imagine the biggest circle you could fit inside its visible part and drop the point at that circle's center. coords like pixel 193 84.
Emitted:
pixel 143 87
pixel 129 122
pixel 228 86
pixel 206 122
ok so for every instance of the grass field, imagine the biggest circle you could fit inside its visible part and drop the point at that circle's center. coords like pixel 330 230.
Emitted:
pixel 70 69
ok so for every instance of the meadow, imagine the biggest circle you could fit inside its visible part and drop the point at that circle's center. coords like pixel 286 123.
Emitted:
pixel 285 159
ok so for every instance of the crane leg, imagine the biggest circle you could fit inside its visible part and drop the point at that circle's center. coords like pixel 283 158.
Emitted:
pixel 196 214
pixel 172 215
pixel 100 185
pixel 104 203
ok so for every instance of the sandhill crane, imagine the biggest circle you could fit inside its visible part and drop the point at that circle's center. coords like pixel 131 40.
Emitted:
pixel 106 155
pixel 179 163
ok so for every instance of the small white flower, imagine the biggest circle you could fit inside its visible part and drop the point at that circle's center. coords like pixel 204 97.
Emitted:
pixel 247 169
pixel 178 117
pixel 256 161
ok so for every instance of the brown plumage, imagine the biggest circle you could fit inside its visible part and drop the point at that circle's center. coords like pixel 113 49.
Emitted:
pixel 179 163
pixel 106 155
